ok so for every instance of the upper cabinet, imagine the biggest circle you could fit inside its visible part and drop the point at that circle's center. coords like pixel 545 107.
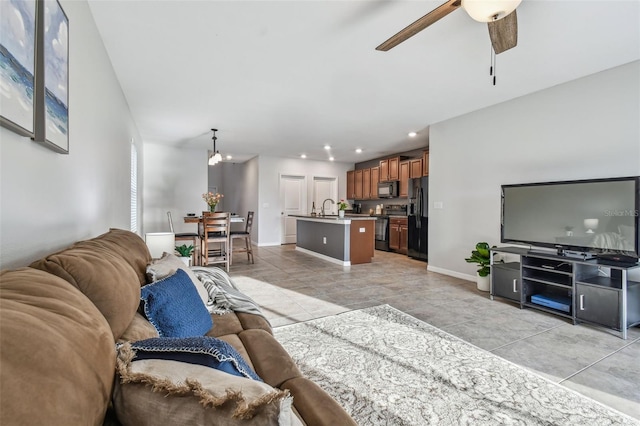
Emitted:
pixel 425 163
pixel 362 184
pixel 375 178
pixel 358 185
pixel 390 169
pixel 415 169
pixel 351 184
pixel 403 188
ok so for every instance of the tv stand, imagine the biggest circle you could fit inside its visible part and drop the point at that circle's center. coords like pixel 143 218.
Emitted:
pixel 582 290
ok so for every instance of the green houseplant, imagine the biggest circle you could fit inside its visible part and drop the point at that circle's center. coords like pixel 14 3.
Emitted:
pixel 482 256
pixel 185 252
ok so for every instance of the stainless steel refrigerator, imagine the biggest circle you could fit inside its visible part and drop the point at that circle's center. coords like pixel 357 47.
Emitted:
pixel 418 218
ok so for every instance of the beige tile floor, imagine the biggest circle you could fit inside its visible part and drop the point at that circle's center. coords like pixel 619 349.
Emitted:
pixel 291 287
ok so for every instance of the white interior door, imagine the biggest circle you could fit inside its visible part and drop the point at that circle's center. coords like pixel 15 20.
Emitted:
pixel 293 200
pixel 323 188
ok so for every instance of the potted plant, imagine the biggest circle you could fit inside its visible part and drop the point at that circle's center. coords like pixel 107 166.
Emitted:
pixel 342 206
pixel 482 256
pixel 185 252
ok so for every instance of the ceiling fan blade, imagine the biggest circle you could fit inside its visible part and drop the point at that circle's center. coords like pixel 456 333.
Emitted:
pixel 504 33
pixel 419 25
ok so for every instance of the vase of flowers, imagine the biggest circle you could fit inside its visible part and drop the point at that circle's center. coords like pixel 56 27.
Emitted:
pixel 212 200
pixel 342 206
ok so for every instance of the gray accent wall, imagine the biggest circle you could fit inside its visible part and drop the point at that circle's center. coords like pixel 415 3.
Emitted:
pixel 586 128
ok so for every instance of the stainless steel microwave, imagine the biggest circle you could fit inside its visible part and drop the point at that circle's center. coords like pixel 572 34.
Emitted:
pixel 388 189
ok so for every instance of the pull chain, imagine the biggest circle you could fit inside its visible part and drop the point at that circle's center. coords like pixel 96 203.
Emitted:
pixel 492 68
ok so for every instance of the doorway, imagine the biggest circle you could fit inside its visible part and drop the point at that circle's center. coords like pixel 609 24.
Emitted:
pixel 323 188
pixel 293 199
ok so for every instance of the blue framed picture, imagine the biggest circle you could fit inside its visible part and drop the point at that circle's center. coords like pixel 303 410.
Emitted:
pixel 17 65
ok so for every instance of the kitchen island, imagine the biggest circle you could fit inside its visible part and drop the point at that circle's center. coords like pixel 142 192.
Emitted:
pixel 345 241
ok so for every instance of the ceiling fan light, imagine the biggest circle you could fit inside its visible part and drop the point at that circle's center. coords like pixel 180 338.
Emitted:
pixel 489 10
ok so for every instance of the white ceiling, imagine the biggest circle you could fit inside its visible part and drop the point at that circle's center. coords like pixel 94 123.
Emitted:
pixel 284 78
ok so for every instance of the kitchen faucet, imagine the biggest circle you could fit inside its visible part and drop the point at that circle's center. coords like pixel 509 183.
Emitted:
pixel 328 199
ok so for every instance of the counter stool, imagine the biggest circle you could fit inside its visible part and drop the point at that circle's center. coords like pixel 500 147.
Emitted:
pixel 186 236
pixel 246 235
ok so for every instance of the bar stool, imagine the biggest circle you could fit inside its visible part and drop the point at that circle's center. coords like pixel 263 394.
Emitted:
pixel 246 235
pixel 186 236
pixel 215 239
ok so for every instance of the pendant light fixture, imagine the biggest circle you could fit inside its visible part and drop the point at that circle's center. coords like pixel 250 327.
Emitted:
pixel 215 156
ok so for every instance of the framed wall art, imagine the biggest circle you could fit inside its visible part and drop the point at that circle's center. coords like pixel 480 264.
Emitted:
pixel 56 77
pixel 18 65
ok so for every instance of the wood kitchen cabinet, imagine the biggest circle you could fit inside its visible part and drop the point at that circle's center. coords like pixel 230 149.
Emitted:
pixel 398 234
pixel 375 178
pixel 390 169
pixel 415 169
pixel 425 163
pixel 351 184
pixel 366 184
pixel 358 185
pixel 403 188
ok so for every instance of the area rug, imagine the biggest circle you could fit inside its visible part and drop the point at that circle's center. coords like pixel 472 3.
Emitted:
pixel 388 368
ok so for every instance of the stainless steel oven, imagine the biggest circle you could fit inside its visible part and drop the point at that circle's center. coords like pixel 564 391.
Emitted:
pixel 382 224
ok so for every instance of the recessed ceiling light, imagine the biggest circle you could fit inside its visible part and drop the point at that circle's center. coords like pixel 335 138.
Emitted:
pixel 327 147
pixel 412 134
pixel 303 156
pixel 358 150
pixel 330 158
pixel 229 157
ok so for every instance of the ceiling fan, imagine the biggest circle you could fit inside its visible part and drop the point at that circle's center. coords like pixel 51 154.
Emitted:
pixel 500 16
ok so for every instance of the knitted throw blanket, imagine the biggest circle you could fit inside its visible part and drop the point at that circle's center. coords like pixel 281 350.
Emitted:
pixel 224 296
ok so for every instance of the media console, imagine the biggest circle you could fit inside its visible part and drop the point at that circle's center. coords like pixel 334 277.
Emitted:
pixel 591 291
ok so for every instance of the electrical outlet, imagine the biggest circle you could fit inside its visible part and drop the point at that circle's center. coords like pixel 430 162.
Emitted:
pixel 363 230
pixel 438 205
pixel 324 240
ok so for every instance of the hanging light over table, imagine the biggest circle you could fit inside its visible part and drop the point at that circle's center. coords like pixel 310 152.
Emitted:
pixel 215 156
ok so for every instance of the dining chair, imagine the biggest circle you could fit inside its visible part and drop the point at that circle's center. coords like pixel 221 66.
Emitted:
pixel 246 235
pixel 215 239
pixel 192 237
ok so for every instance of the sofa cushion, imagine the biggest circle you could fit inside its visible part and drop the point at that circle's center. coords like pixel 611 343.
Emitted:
pixel 174 308
pixel 139 329
pixel 225 324
pixel 269 358
pixel 162 392
pixel 104 277
pixel 56 352
pixel 127 245
pixel 204 350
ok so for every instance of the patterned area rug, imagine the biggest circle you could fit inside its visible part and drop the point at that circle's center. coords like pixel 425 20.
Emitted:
pixel 388 368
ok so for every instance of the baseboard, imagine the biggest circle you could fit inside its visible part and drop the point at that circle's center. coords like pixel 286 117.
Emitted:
pixel 323 257
pixel 455 274
pixel 266 244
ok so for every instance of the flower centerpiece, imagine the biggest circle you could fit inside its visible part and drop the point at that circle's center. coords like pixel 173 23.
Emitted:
pixel 342 206
pixel 212 200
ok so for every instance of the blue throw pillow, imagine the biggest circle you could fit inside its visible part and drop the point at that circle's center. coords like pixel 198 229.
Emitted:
pixel 204 350
pixel 174 307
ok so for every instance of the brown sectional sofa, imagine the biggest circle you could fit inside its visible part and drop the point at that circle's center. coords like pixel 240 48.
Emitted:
pixel 61 317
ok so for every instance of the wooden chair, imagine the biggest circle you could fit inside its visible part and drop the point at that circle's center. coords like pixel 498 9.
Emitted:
pixel 246 235
pixel 215 239
pixel 191 237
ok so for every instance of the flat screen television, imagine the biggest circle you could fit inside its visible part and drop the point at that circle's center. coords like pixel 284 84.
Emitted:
pixel 596 217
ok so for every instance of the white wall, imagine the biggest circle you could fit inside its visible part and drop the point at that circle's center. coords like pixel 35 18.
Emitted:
pixel 174 180
pixel 269 171
pixel 587 128
pixel 49 200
